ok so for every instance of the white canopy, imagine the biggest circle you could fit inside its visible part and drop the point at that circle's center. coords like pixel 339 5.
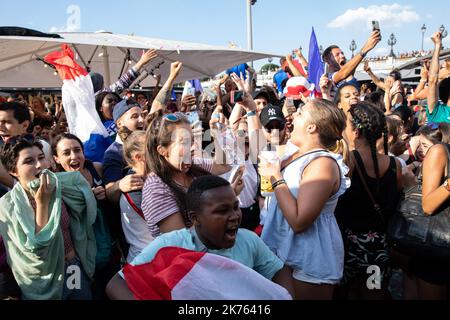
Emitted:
pixel 107 53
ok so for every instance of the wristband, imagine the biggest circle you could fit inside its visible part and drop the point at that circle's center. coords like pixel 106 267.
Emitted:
pixel 278 183
pixel 363 54
pixel 251 113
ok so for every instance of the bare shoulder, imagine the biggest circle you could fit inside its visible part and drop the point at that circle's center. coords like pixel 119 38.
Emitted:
pixel 322 166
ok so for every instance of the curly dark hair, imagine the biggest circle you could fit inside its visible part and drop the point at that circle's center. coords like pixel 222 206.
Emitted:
pixel 9 152
pixel 371 123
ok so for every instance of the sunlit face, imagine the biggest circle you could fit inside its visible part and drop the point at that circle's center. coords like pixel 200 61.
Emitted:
pixel 10 127
pixel 180 152
pixel 37 104
pixel 422 149
pixel 132 119
pixel 301 120
pixel 30 163
pixel 349 98
pixel 339 56
pixel 108 103
pixel 219 218
pixel 69 154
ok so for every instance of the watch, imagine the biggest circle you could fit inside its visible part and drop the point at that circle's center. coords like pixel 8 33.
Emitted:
pixel 363 54
pixel 447 185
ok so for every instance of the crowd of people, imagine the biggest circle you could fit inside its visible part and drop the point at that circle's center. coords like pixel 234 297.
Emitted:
pixel 313 218
pixel 403 55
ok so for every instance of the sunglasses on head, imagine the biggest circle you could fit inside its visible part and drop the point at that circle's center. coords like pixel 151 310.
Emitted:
pixel 174 117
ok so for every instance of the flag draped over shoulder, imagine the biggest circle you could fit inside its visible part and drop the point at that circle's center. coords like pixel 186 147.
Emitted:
pixel 315 67
pixel 79 103
pixel 180 274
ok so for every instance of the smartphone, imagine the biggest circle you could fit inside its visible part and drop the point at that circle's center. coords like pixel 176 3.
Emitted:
pixel 290 106
pixel 375 25
pixel 192 117
pixel 237 96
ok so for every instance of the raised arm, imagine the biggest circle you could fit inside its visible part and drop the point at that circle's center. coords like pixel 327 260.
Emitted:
pixel 292 66
pixel 163 96
pixel 372 76
pixel 350 67
pixel 433 94
pixel 420 93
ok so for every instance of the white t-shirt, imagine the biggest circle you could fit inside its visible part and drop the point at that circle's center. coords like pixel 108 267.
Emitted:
pixel 250 177
pixel 135 229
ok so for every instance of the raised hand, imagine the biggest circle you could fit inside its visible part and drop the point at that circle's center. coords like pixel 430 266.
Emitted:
pixel 45 191
pixel 175 69
pixel 148 56
pixel 187 102
pixel 437 38
pixel 366 66
pixel 373 40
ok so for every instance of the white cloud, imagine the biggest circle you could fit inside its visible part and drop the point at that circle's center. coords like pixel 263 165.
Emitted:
pixel 393 15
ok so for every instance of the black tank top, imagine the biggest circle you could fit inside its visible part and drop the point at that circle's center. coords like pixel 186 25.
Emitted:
pixel 96 179
pixel 355 210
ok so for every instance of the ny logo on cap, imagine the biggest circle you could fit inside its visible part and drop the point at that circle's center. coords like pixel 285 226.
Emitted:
pixel 271 112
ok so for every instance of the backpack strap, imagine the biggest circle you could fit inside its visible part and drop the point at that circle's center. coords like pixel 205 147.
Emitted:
pixel 134 206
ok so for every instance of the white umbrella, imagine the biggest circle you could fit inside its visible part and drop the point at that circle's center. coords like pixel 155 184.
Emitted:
pixel 108 54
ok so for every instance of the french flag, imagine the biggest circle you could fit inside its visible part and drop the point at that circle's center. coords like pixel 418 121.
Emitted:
pixel 315 66
pixel 181 274
pixel 79 104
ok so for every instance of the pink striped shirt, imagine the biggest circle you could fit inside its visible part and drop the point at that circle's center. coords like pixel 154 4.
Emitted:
pixel 159 202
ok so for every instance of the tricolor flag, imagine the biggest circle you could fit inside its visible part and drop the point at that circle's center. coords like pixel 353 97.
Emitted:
pixel 79 104
pixel 315 67
pixel 180 274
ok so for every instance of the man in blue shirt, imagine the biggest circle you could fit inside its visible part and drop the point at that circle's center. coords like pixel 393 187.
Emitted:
pixel 280 76
pixel 438 111
pixel 240 69
pixel 214 210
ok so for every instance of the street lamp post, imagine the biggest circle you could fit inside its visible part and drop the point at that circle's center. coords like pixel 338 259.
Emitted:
pixel 250 3
pixel 423 29
pixel 353 47
pixel 444 33
pixel 392 41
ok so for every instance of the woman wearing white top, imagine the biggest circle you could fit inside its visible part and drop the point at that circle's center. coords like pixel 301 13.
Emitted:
pixel 300 226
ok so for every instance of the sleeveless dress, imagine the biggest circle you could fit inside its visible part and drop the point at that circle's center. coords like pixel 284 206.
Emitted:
pixel 317 254
pixel 363 228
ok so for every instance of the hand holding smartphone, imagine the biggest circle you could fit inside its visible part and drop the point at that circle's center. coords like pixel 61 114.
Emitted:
pixel 375 26
pixel 237 96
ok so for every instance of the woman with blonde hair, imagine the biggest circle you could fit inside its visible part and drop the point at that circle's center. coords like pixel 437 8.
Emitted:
pixel 300 226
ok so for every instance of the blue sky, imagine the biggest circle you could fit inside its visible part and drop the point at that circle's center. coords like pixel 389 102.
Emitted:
pixel 278 25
